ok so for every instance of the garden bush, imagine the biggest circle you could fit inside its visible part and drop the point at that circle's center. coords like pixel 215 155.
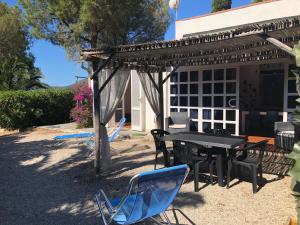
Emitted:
pixel 22 109
pixel 82 113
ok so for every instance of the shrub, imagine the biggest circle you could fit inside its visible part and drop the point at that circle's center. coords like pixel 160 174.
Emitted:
pixel 82 113
pixel 22 109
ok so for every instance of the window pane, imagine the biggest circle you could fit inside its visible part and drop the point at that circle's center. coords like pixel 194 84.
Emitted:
pixel 194 89
pixel 193 101
pixel 218 101
pixel 219 74
pixel 206 114
pixel 231 88
pixel 206 101
pixel 174 101
pixel 292 86
pixel 183 101
pixel 207 75
pixel 218 114
pixel 183 88
pixel 174 89
pixel 194 76
pixel 183 110
pixel 218 88
pixel 207 88
pixel 206 126
pixel 231 101
pixel 291 67
pixel 194 113
pixel 231 74
pixel 194 126
pixel 230 128
pixel 218 126
pixel 230 115
pixel 292 102
pixel 173 110
pixel 183 77
pixel 174 77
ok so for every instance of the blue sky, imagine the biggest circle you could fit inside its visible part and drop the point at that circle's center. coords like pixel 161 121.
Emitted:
pixel 59 71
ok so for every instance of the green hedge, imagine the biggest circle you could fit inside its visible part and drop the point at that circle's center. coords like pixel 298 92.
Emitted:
pixel 22 109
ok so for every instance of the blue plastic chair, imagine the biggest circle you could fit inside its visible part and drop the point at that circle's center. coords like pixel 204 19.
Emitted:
pixel 149 194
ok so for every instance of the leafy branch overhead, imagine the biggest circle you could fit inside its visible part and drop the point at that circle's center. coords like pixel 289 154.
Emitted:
pixel 17 70
pixel 96 23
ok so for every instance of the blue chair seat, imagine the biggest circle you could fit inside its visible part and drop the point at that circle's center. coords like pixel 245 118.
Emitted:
pixel 149 194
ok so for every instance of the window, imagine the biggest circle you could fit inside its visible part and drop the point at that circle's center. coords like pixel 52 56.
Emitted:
pixel 220 99
pixel 184 94
pixel 292 94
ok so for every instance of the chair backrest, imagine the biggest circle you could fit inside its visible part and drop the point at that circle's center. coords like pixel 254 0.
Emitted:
pixel 157 135
pixel 116 133
pixel 258 149
pixel 272 116
pixel 179 117
pixel 185 152
pixel 219 132
pixel 283 126
pixel 151 193
pixel 254 116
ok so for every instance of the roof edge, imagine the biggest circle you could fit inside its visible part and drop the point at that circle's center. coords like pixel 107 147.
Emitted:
pixel 228 10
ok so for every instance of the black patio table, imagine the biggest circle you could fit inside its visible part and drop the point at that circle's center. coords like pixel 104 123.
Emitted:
pixel 210 142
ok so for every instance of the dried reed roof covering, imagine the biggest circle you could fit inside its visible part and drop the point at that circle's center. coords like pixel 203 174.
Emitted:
pixel 243 44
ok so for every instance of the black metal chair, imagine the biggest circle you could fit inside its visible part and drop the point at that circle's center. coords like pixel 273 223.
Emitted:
pixel 268 123
pixel 250 157
pixel 160 146
pixel 213 152
pixel 188 153
pixel 254 123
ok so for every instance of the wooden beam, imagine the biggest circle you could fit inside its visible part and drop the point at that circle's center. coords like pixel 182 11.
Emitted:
pixel 161 99
pixel 108 79
pixel 278 44
pixel 170 74
pixel 152 80
pixel 93 76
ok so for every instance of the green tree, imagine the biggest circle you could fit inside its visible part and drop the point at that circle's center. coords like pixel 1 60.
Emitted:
pixel 295 155
pixel 254 1
pixel 17 70
pixel 96 23
pixel 219 5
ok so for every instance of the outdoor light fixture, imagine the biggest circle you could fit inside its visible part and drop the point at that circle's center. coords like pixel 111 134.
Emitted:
pixel 174 4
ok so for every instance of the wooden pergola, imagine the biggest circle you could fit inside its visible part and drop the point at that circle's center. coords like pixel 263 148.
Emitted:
pixel 250 43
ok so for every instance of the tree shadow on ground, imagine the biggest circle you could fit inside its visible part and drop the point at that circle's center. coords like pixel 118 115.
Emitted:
pixel 46 183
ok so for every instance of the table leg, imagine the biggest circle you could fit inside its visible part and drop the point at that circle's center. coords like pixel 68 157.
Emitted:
pixel 220 170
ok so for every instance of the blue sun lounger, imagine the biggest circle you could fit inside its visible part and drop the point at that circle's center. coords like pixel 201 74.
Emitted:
pixel 70 136
pixel 111 138
pixel 149 194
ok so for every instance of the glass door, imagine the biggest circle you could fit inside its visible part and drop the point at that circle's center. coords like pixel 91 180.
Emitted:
pixel 220 100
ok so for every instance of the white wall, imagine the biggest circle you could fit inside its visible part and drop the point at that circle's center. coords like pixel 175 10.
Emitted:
pixel 239 16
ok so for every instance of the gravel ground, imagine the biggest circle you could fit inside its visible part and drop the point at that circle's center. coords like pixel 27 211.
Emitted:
pixel 45 183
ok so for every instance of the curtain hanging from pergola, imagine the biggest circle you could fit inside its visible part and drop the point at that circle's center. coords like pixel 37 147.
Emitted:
pixel 110 97
pixel 150 86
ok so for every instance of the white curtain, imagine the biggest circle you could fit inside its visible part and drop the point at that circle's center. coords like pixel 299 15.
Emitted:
pixel 110 97
pixel 151 93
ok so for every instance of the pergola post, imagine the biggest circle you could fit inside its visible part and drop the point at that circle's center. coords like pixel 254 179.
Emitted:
pixel 161 99
pixel 96 104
